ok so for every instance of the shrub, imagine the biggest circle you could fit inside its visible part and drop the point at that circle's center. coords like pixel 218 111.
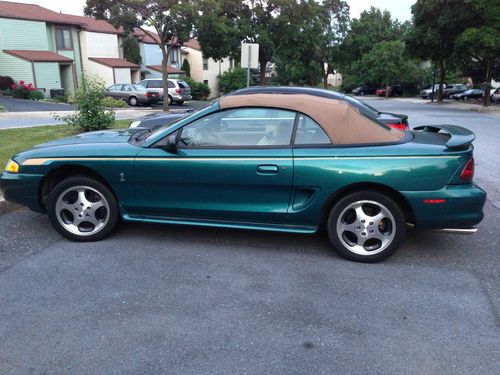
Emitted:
pixel 186 67
pixel 199 91
pixel 6 83
pixel 22 90
pixel 92 113
pixel 110 102
pixel 36 95
pixel 233 80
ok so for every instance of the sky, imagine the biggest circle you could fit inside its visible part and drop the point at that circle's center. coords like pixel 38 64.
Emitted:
pixel 399 9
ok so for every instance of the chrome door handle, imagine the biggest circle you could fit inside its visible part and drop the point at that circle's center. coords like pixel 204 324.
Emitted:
pixel 267 169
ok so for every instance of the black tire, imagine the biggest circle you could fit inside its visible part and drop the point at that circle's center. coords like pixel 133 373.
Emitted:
pixel 391 227
pixel 180 102
pixel 63 220
pixel 133 101
pixel 170 100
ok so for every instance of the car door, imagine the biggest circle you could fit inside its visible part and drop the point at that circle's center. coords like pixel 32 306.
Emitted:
pixel 114 91
pixel 231 165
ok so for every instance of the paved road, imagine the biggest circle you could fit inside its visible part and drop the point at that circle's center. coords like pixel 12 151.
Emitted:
pixel 27 113
pixel 165 299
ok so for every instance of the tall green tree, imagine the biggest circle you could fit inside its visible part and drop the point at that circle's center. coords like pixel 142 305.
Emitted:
pixel 437 25
pixel 171 19
pixel 296 51
pixel 479 46
pixel 131 49
pixel 385 62
pixel 334 17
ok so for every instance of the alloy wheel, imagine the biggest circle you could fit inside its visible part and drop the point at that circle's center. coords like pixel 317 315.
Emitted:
pixel 366 227
pixel 82 210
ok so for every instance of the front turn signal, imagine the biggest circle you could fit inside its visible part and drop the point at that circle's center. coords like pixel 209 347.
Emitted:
pixel 12 167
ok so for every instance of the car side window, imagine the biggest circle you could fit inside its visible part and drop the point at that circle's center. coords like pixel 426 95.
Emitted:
pixel 155 84
pixel 115 88
pixel 245 127
pixel 310 133
pixel 171 85
pixel 127 88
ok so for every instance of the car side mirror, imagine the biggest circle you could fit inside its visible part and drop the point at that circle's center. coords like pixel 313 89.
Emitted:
pixel 171 142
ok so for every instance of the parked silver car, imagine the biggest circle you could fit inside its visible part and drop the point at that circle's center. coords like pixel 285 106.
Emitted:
pixel 133 94
pixel 178 90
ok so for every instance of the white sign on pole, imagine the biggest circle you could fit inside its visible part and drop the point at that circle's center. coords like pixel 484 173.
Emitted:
pixel 250 55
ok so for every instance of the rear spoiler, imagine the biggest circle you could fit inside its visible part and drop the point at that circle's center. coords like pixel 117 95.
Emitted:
pixel 459 137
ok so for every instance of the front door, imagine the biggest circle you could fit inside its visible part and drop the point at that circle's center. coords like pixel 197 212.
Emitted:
pixel 232 165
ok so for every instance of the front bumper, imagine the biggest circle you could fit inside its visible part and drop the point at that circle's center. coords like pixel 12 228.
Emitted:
pixel 21 189
pixel 462 208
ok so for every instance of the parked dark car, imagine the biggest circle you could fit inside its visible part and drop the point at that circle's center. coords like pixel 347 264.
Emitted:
pixel 132 94
pixel 394 90
pixel 394 120
pixel 469 94
pixel 364 90
pixel 157 120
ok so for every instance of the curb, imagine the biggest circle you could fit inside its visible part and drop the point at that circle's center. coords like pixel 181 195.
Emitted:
pixel 6 207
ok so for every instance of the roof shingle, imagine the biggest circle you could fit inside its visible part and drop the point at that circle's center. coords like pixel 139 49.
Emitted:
pixel 170 69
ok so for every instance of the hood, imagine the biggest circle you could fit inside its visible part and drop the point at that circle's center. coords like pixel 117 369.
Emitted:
pixel 106 136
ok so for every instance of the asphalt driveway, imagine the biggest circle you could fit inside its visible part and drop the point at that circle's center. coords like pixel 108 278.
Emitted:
pixel 21 105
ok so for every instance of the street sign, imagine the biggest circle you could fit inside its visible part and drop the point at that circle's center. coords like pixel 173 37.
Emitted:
pixel 250 55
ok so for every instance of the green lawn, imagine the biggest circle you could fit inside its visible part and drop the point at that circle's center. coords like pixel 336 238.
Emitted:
pixel 16 140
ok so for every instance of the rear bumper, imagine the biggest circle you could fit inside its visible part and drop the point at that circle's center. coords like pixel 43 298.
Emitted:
pixel 462 207
pixel 21 189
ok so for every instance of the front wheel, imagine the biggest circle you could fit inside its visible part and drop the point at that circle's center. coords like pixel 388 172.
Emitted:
pixel 366 226
pixel 82 209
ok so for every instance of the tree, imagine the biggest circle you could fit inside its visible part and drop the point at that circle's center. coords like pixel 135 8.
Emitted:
pixel 186 67
pixel 386 62
pixel 131 50
pixel 436 27
pixel 479 46
pixel 171 19
pixel 334 16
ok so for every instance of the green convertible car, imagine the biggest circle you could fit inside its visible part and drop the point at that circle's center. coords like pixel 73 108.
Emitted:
pixel 276 162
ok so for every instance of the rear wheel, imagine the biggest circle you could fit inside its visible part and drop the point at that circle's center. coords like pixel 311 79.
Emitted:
pixel 133 101
pixel 82 209
pixel 170 100
pixel 366 226
pixel 180 102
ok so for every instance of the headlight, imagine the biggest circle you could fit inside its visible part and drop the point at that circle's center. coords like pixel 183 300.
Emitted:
pixel 135 124
pixel 12 167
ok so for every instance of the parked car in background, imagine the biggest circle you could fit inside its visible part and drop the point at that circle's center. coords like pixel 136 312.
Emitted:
pixel 452 89
pixel 132 94
pixel 178 90
pixel 157 120
pixel 393 120
pixel 495 96
pixel 469 94
pixel 364 90
pixel 273 162
pixel 394 90
pixel 429 92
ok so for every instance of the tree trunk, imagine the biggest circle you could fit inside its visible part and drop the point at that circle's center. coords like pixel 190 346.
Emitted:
pixel 442 76
pixel 324 71
pixel 487 91
pixel 262 70
pixel 164 70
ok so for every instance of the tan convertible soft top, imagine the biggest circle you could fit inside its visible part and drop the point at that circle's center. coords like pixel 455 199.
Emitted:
pixel 342 122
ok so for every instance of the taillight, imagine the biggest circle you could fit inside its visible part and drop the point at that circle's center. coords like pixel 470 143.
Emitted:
pixel 178 91
pixel 468 171
pixel 398 126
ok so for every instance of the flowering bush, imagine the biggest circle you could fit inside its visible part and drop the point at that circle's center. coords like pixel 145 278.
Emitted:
pixel 22 90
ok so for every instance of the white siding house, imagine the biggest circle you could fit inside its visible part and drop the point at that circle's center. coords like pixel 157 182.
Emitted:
pixel 204 70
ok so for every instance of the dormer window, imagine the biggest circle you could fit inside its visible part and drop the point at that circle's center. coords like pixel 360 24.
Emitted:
pixel 63 39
